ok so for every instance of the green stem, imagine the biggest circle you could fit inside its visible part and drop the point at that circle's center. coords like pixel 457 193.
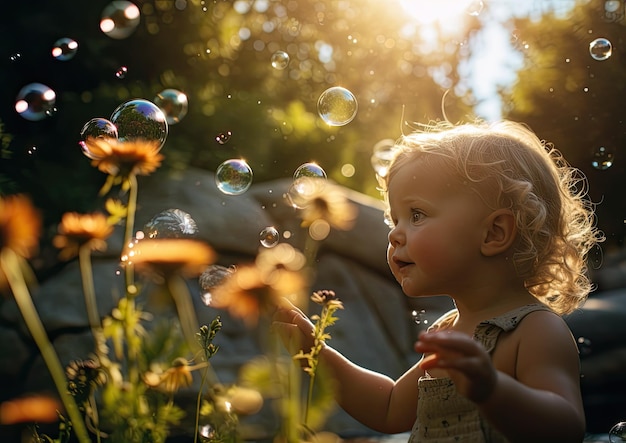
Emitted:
pixel 131 209
pixel 11 267
pixel 198 403
pixel 86 271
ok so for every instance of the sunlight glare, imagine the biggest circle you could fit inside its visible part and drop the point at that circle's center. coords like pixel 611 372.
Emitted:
pixel 448 15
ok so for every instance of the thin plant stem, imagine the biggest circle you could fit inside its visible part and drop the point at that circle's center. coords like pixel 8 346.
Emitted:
pixel 86 271
pixel 131 209
pixel 199 402
pixel 10 266
pixel 184 307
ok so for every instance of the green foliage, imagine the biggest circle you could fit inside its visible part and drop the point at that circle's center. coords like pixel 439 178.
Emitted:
pixel 576 102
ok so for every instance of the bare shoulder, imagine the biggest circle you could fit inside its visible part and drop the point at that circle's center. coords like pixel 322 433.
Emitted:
pixel 544 327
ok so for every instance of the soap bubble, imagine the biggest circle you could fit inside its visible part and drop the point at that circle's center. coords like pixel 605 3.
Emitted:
pixel 280 60
pixel 602 159
pixel 382 154
pixel 140 119
pixel 64 49
pixel 309 170
pixel 171 223
pixel 269 237
pixel 173 103
pixel 35 102
pixel 418 317
pixel 617 434
pixel 600 49
pixel 337 106
pixel 233 177
pixel 121 72
pixel 119 19
pixel 96 128
pixel 207 433
pixel 223 137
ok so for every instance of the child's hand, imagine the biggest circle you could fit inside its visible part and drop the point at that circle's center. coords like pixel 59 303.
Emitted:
pixel 467 362
pixel 294 328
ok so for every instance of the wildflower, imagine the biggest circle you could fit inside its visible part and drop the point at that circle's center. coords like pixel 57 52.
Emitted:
pixel 20 226
pixel 83 377
pixel 176 376
pixel 34 409
pixel 123 158
pixel 321 201
pixel 163 257
pixel 251 289
pixel 77 230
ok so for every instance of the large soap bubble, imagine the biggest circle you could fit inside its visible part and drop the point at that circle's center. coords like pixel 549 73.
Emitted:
pixel 233 177
pixel 173 103
pixel 35 101
pixel 119 19
pixel 140 119
pixel 337 106
pixel 96 128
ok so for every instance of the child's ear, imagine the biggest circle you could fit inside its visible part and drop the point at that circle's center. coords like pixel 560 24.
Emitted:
pixel 500 232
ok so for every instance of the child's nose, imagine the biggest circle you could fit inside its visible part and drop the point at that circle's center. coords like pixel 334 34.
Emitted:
pixel 395 236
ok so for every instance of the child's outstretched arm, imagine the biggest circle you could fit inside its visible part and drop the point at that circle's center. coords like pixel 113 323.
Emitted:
pixel 373 399
pixel 540 402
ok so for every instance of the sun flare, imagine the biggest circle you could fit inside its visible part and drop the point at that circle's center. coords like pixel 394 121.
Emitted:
pixel 445 14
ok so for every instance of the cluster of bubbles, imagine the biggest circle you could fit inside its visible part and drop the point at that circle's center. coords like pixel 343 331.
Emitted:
pixel 133 120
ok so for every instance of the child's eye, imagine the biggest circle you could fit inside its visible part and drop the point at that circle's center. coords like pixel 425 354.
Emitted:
pixel 416 216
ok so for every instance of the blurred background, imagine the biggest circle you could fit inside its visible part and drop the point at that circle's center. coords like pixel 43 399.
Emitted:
pixel 252 71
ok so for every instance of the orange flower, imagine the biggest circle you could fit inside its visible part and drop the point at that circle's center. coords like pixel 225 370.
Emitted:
pixel 77 230
pixel 175 377
pixel 20 226
pixel 250 289
pixel 165 256
pixel 34 409
pixel 322 201
pixel 123 158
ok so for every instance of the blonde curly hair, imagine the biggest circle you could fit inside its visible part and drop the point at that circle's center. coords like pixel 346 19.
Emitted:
pixel 510 167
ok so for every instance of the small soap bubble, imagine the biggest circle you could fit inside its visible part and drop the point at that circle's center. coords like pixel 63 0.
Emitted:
pixel 223 137
pixel 337 106
pixel 617 434
pixel 171 223
pixel 173 103
pixel 97 128
pixel 602 159
pixel 64 49
pixel 119 19
pixel 35 102
pixel 382 154
pixel 309 170
pixel 584 346
pixel 269 237
pixel 600 49
pixel 280 60
pixel 121 72
pixel 15 57
pixel 418 317
pixel 140 119
pixel 233 177
pixel 207 433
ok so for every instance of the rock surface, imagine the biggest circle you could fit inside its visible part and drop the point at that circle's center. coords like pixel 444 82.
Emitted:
pixel 376 328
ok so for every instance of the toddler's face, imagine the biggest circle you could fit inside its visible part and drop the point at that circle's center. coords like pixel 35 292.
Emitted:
pixel 438 226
